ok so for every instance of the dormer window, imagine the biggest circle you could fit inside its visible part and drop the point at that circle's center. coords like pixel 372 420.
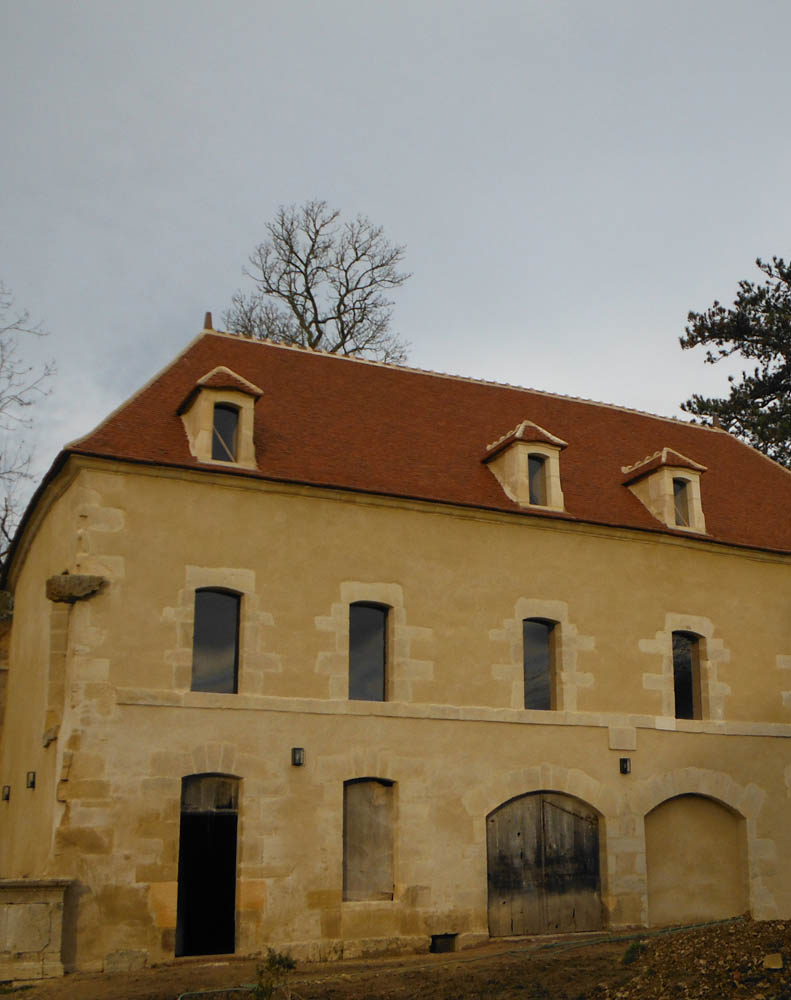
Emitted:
pixel 667 483
pixel 218 417
pixel 526 463
pixel 537 477
pixel 681 501
pixel 226 425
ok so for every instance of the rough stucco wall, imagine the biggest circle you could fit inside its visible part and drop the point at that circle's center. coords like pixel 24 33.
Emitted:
pixel 302 551
pixel 26 820
pixel 455 747
pixel 5 641
pixel 696 860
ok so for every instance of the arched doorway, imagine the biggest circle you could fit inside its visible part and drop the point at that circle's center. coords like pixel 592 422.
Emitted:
pixel 206 914
pixel 696 861
pixel 543 866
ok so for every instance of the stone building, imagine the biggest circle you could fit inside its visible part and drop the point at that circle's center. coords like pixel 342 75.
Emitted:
pixel 324 654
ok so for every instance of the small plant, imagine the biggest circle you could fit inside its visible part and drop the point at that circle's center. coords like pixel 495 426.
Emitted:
pixel 633 952
pixel 273 975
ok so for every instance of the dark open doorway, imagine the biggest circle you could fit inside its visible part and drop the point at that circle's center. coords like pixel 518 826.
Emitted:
pixel 206 916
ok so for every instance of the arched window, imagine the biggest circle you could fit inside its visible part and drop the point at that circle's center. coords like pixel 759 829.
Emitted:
pixel 537 476
pixel 215 641
pixel 686 675
pixel 367 651
pixel 681 502
pixel 368 839
pixel 226 423
pixel 538 651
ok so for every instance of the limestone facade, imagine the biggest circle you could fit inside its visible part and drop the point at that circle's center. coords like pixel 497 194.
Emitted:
pixel 100 708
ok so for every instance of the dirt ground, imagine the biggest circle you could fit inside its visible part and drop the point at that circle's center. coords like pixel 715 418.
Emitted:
pixel 726 961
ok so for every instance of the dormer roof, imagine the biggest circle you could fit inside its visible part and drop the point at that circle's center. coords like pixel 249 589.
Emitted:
pixel 220 377
pixel 528 432
pixel 329 421
pixel 661 458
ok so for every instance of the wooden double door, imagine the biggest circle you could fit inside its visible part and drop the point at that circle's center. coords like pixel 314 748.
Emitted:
pixel 543 866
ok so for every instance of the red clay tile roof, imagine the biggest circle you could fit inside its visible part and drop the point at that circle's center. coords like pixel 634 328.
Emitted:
pixel 656 461
pixel 332 421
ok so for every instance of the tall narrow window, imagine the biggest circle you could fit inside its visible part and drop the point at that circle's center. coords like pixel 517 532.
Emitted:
pixel 681 501
pixel 537 475
pixel 215 641
pixel 686 675
pixel 223 442
pixel 368 839
pixel 367 652
pixel 538 649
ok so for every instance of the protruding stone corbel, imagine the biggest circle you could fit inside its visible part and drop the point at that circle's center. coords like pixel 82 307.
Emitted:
pixel 66 588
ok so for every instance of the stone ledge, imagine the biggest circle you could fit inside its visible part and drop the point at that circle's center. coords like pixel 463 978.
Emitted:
pixel 66 588
pixel 192 700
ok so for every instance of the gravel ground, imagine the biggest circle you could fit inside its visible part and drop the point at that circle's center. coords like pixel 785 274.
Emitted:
pixel 726 961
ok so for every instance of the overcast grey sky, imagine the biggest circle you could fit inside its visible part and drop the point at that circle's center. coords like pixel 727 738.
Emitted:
pixel 569 177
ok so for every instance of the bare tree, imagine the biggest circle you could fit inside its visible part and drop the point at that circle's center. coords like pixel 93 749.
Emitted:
pixel 321 283
pixel 20 386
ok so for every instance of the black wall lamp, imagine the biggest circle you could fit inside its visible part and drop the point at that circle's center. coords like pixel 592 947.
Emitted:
pixel 30 780
pixel 297 756
pixel 6 793
pixel 626 765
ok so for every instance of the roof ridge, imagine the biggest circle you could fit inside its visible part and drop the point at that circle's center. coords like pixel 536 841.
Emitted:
pixel 409 369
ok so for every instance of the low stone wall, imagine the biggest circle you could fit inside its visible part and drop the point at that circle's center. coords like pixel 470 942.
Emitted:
pixel 31 927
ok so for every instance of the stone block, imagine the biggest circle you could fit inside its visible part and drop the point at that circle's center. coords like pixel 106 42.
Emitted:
pixel 125 961
pixel 252 894
pixel 70 587
pixel 162 899
pixel 28 927
pixel 86 840
pixel 622 738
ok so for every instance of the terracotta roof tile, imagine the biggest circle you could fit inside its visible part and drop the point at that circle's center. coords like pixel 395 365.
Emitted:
pixel 407 433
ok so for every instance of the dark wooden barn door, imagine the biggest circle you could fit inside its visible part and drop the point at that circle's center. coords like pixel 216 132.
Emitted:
pixel 543 866
pixel 206 914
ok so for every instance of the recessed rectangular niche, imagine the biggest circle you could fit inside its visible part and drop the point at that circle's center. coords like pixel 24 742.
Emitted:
pixel 367 839
pixel 442 943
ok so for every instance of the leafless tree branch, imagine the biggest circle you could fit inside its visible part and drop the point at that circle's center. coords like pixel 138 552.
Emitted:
pixel 21 385
pixel 321 284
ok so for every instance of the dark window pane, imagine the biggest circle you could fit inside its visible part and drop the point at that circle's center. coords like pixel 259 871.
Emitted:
pixel 681 500
pixel 685 653
pixel 367 643
pixel 537 473
pixel 209 793
pixel 215 641
pixel 223 442
pixel 537 651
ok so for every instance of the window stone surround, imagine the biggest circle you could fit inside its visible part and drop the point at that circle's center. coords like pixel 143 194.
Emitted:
pixel 711 653
pixel 402 668
pixel 254 662
pixel 568 641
